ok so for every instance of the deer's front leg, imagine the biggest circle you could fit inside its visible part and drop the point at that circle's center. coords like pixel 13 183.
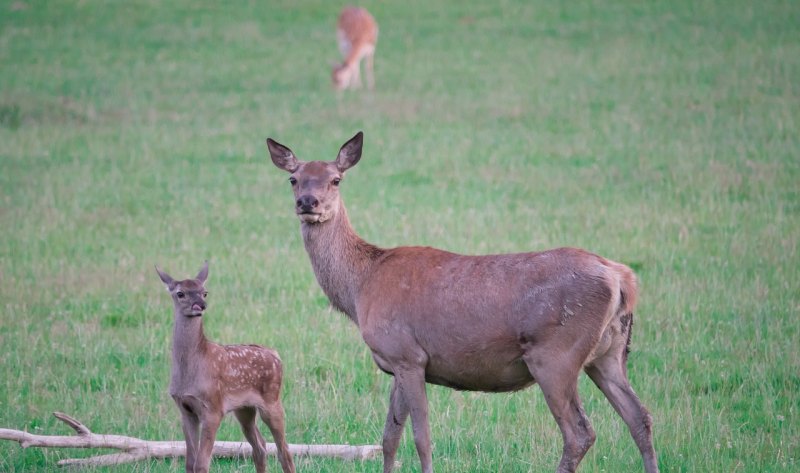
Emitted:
pixel 369 69
pixel 393 430
pixel 411 382
pixel 356 78
pixel 209 424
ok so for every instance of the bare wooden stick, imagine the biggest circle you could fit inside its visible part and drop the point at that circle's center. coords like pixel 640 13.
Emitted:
pixel 135 449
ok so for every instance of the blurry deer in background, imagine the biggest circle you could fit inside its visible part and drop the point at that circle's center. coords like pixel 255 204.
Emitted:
pixel 357 34
pixel 490 323
pixel 209 380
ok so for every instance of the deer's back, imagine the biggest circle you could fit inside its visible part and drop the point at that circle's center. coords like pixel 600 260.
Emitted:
pixel 251 367
pixel 357 27
pixel 506 277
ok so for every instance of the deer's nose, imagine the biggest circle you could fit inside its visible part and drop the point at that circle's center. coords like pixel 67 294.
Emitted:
pixel 307 203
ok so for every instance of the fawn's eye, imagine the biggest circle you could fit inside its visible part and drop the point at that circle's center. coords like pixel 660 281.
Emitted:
pixel 292 181
pixel 336 181
pixel 180 295
pixel 205 294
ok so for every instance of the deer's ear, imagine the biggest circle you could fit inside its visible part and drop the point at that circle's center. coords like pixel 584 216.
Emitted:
pixel 282 156
pixel 203 274
pixel 350 152
pixel 166 279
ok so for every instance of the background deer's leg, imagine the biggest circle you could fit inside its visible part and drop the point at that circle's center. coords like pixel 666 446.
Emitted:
pixel 355 80
pixel 247 418
pixel 369 70
pixel 275 418
pixel 393 430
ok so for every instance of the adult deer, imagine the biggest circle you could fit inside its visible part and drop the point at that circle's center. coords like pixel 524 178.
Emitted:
pixel 481 323
pixel 209 380
pixel 357 35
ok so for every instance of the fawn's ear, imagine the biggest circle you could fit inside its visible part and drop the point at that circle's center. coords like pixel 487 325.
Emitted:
pixel 282 156
pixel 350 152
pixel 166 279
pixel 203 274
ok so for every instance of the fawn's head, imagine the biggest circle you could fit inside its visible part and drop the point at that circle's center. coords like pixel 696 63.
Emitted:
pixel 189 295
pixel 316 183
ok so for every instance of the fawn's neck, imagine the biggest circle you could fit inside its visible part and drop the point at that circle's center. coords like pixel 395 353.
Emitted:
pixel 340 258
pixel 188 347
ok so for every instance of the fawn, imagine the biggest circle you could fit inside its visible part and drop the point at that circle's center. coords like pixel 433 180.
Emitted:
pixel 209 380
pixel 357 33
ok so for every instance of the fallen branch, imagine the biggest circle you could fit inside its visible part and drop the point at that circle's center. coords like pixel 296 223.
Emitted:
pixel 134 449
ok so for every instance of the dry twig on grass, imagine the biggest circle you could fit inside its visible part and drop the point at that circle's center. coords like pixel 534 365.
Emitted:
pixel 134 449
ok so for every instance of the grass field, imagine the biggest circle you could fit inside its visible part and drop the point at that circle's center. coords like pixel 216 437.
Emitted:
pixel 665 135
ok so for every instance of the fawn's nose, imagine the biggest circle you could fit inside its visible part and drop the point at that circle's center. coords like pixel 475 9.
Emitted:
pixel 199 305
pixel 307 203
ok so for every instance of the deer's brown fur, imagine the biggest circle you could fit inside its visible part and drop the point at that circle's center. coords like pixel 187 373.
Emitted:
pixel 209 380
pixel 484 323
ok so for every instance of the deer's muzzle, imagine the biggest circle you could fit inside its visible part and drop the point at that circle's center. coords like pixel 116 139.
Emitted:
pixel 307 204
pixel 198 308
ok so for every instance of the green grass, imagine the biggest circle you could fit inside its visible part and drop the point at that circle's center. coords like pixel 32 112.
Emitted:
pixel 665 135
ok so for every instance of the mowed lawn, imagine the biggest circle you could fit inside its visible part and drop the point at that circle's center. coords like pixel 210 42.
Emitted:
pixel 665 135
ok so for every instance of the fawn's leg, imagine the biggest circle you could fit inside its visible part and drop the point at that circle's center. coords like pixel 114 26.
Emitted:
pixel 273 415
pixel 191 433
pixel 247 418
pixel 209 423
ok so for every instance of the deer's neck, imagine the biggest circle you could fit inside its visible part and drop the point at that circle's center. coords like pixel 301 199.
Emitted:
pixel 352 60
pixel 359 50
pixel 189 344
pixel 340 258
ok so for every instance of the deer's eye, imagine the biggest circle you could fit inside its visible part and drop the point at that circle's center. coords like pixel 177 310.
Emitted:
pixel 336 181
pixel 292 181
pixel 180 295
pixel 205 294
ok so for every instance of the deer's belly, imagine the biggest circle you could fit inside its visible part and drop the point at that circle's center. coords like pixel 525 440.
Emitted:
pixel 481 373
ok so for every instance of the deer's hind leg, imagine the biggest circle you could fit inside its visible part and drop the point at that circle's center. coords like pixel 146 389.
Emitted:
pixel 274 416
pixel 609 373
pixel 558 379
pixel 247 418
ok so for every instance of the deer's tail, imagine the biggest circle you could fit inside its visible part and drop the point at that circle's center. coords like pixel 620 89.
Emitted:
pixel 629 294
